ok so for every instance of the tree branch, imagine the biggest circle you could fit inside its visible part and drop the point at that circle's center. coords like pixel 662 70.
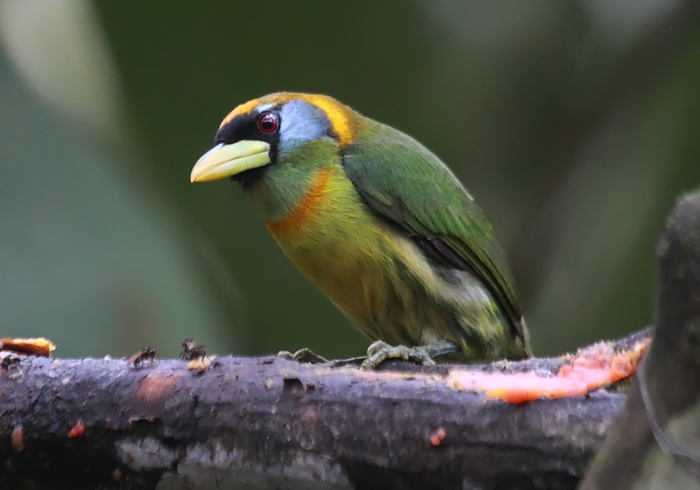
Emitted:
pixel 272 423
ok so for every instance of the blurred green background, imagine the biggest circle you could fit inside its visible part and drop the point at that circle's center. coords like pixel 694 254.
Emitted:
pixel 575 125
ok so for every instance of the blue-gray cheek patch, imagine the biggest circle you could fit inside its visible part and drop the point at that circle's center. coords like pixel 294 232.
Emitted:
pixel 302 121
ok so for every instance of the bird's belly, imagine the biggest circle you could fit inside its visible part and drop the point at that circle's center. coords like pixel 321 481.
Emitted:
pixel 368 270
pixel 377 276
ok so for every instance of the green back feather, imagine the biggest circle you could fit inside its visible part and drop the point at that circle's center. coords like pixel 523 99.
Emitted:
pixel 408 185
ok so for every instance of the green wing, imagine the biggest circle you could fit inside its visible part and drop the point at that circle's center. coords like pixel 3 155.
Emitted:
pixel 408 185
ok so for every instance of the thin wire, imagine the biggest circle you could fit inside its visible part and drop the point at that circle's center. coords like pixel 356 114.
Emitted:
pixel 689 460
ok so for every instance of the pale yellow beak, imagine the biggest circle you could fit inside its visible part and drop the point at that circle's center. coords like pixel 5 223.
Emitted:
pixel 228 160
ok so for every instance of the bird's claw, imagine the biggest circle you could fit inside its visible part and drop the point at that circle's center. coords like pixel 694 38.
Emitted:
pixel 380 351
pixel 302 355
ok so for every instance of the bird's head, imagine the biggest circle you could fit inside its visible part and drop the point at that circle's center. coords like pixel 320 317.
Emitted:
pixel 261 132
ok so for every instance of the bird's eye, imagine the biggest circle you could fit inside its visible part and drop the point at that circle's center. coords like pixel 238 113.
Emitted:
pixel 268 122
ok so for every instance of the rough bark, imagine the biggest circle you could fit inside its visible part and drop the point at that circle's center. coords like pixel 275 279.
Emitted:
pixel 271 423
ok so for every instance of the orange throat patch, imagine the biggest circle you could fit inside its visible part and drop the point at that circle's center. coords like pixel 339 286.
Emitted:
pixel 304 209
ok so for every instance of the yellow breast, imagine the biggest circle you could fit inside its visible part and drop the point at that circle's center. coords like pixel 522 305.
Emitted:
pixel 350 254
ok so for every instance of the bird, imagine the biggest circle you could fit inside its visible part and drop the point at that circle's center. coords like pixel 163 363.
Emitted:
pixel 378 223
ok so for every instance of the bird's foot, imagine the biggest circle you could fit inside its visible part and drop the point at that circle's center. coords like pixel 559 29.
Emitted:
pixel 380 351
pixel 302 355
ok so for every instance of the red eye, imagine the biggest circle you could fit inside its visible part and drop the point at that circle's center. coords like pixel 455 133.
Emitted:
pixel 267 122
